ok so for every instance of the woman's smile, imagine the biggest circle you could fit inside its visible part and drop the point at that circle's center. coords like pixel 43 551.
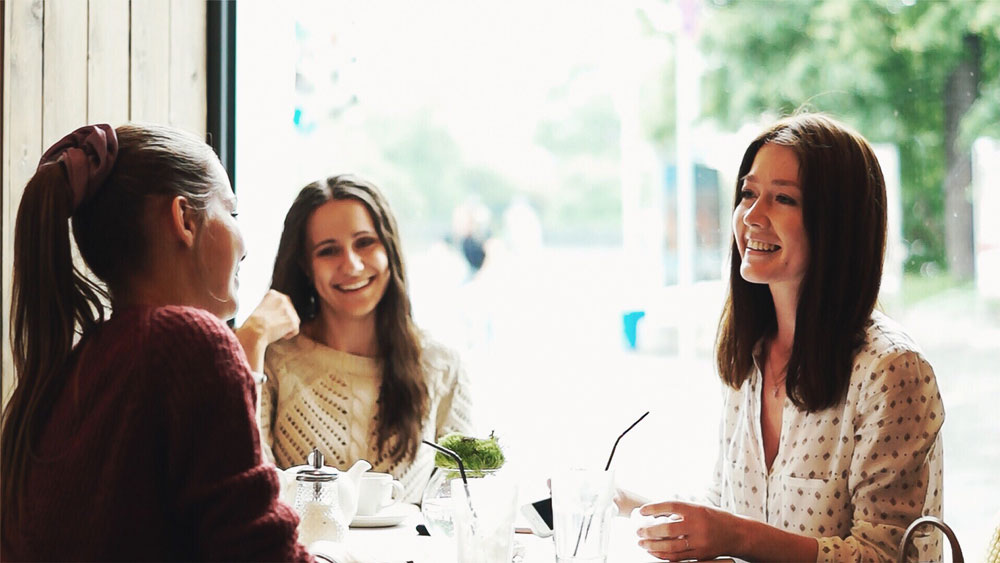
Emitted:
pixel 352 287
pixel 757 246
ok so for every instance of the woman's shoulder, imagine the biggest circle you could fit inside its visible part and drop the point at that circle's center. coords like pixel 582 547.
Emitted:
pixel 440 360
pixel 184 319
pixel 891 378
pixel 174 327
pixel 889 356
pixel 442 365
pixel 885 337
pixel 184 343
pixel 287 347
pixel 280 353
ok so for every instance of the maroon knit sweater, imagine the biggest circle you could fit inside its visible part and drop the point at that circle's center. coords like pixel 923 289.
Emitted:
pixel 151 452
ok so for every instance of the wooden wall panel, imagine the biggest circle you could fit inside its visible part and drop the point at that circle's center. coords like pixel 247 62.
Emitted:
pixel 23 69
pixel 150 62
pixel 188 110
pixel 64 77
pixel 108 62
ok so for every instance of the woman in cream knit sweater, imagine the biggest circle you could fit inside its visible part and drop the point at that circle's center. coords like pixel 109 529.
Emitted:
pixel 359 381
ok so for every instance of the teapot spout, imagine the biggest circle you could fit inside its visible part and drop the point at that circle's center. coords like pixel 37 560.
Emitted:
pixel 348 484
pixel 354 473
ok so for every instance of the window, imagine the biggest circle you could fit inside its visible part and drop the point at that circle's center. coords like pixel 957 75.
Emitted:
pixel 551 138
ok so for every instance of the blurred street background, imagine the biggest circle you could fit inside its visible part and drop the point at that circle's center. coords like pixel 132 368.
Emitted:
pixel 563 175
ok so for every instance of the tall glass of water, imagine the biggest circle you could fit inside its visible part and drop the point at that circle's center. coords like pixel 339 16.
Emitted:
pixel 484 511
pixel 583 509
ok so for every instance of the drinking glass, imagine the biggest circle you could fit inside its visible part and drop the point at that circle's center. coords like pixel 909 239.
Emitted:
pixel 484 512
pixel 436 501
pixel 583 509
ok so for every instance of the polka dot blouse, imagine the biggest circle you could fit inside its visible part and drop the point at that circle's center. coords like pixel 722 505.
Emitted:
pixel 854 475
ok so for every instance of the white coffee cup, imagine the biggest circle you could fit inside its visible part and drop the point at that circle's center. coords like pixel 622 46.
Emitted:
pixel 378 491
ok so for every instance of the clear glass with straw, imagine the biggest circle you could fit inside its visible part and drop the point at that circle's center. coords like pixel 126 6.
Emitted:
pixel 484 511
pixel 583 510
pixel 483 515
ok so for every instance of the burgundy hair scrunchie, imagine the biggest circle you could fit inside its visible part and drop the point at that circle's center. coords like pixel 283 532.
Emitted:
pixel 87 155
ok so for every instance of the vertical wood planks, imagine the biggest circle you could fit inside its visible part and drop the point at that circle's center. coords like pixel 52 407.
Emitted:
pixel 71 62
pixel 23 144
pixel 150 61
pixel 108 62
pixel 64 75
pixel 188 81
pixel 64 78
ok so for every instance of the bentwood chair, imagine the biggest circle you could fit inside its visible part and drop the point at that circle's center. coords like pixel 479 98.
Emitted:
pixel 923 522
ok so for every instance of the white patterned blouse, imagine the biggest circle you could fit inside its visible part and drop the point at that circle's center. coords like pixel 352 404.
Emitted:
pixel 854 475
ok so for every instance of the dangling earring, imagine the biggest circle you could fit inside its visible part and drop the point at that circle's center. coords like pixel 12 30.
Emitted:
pixel 313 309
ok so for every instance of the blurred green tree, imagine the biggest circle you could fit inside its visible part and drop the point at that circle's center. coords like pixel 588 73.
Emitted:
pixel 582 131
pixel 924 75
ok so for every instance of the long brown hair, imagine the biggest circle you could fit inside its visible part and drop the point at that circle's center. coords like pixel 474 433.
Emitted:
pixel 52 302
pixel 402 403
pixel 844 213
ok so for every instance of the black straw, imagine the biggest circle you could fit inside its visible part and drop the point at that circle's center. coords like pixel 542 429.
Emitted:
pixel 608 465
pixel 465 481
pixel 454 456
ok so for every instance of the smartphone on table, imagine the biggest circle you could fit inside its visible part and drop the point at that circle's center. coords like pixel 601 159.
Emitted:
pixel 539 517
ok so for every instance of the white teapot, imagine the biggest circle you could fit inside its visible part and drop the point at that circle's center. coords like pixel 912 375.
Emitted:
pixel 325 499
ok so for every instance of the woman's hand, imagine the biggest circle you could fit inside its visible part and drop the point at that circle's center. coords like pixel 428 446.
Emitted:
pixel 692 531
pixel 273 319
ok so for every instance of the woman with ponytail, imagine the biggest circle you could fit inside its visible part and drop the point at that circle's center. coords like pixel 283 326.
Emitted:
pixel 132 436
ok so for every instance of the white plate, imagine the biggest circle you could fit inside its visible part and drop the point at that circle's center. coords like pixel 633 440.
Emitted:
pixel 389 516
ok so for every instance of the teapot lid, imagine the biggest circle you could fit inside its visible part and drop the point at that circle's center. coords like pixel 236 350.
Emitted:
pixel 316 472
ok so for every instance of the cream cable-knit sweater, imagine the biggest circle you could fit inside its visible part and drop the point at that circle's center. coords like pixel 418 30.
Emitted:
pixel 316 396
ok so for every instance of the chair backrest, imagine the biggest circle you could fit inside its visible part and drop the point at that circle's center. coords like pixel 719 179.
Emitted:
pixel 956 549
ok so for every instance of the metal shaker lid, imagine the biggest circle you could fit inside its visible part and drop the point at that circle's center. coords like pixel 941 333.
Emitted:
pixel 316 472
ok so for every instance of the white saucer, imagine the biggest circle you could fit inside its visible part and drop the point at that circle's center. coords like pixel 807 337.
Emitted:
pixel 389 516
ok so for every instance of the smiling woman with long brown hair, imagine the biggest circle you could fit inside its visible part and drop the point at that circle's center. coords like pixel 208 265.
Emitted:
pixel 360 381
pixel 830 443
